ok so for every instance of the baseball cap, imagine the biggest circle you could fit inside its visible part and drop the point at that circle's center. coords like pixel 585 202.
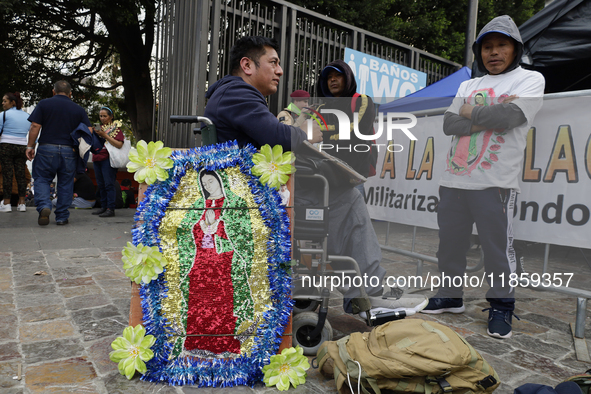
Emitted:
pixel 328 69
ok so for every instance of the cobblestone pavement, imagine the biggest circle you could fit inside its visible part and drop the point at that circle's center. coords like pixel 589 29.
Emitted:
pixel 64 298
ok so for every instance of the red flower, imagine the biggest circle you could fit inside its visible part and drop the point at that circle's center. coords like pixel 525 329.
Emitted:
pixel 500 139
pixel 486 165
pixel 495 147
pixel 494 157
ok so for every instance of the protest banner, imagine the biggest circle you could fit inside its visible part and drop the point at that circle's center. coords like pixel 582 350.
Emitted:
pixel 554 205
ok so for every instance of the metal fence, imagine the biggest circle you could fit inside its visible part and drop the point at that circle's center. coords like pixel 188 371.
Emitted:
pixel 195 36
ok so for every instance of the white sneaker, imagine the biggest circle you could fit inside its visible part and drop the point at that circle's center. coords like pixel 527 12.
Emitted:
pixel 5 208
pixel 411 303
pixel 21 208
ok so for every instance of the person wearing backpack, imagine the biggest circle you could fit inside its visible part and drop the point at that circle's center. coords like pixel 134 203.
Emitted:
pixel 14 127
pixel 338 87
pixel 489 120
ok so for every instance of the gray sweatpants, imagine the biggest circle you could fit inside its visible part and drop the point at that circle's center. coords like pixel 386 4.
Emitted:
pixel 351 234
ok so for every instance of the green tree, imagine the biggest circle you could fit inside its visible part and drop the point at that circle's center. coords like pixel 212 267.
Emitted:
pixel 42 41
pixel 436 26
pixel 47 40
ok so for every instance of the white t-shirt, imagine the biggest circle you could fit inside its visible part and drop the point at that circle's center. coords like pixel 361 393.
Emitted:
pixel 493 158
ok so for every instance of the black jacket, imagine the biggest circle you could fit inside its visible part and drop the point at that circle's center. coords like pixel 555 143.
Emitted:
pixel 355 151
pixel 239 112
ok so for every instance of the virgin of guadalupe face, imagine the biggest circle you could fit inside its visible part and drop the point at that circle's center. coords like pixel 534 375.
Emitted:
pixel 480 100
pixel 212 185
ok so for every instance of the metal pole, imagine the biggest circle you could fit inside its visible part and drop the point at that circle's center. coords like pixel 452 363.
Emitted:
pixel 201 52
pixel 470 32
pixel 580 322
pixel 546 258
pixel 157 86
pixel 285 86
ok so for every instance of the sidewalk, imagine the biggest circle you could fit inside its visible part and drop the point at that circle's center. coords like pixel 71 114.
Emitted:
pixel 64 298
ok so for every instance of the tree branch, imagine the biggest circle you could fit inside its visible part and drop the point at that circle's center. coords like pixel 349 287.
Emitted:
pixel 102 89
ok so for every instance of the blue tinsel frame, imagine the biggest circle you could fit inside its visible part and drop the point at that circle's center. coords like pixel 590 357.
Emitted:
pixel 216 373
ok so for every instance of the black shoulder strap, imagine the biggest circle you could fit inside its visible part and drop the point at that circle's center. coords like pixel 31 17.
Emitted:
pixel 3 122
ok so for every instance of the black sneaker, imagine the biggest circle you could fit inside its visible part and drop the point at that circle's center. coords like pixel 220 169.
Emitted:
pixel 99 211
pixel 499 323
pixel 440 305
pixel 569 387
pixel 107 214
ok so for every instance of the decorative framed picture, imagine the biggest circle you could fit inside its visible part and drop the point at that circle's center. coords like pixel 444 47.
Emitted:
pixel 220 295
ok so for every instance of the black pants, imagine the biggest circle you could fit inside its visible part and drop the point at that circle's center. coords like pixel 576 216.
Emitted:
pixel 13 160
pixel 492 211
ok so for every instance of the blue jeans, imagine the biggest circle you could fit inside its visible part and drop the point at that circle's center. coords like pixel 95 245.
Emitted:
pixel 361 189
pixel 51 160
pixel 105 178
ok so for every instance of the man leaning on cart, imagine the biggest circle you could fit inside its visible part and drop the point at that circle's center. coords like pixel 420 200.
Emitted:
pixel 238 108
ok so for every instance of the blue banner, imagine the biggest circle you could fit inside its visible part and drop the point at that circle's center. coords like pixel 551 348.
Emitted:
pixel 383 80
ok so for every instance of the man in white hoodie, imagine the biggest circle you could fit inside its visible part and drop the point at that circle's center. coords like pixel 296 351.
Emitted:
pixel 489 120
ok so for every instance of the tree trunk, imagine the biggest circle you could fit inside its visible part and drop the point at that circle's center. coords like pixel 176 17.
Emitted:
pixel 139 99
pixel 135 68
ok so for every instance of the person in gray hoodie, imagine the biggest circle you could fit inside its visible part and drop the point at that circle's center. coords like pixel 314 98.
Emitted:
pixel 489 120
pixel 337 86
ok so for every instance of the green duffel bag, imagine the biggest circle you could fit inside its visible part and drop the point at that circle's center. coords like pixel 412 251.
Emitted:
pixel 410 356
pixel 583 380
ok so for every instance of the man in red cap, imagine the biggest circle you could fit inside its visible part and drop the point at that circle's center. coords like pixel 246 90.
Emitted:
pixel 290 115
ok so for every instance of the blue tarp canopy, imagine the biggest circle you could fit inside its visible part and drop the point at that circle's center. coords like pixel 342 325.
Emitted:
pixel 437 95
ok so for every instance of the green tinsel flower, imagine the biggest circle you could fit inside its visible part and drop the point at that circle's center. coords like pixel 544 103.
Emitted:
pixel 142 263
pixel 149 161
pixel 288 367
pixel 131 350
pixel 273 166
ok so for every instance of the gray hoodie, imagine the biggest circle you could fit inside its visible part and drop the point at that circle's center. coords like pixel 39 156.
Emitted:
pixel 505 25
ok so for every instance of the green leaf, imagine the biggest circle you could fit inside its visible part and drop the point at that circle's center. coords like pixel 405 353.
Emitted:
pixel 267 152
pixel 277 153
pixel 129 371
pixel 283 383
pixel 273 380
pixel 146 354
pixel 139 365
pixel 286 169
pixel 258 158
pixel 142 149
pixel 118 355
